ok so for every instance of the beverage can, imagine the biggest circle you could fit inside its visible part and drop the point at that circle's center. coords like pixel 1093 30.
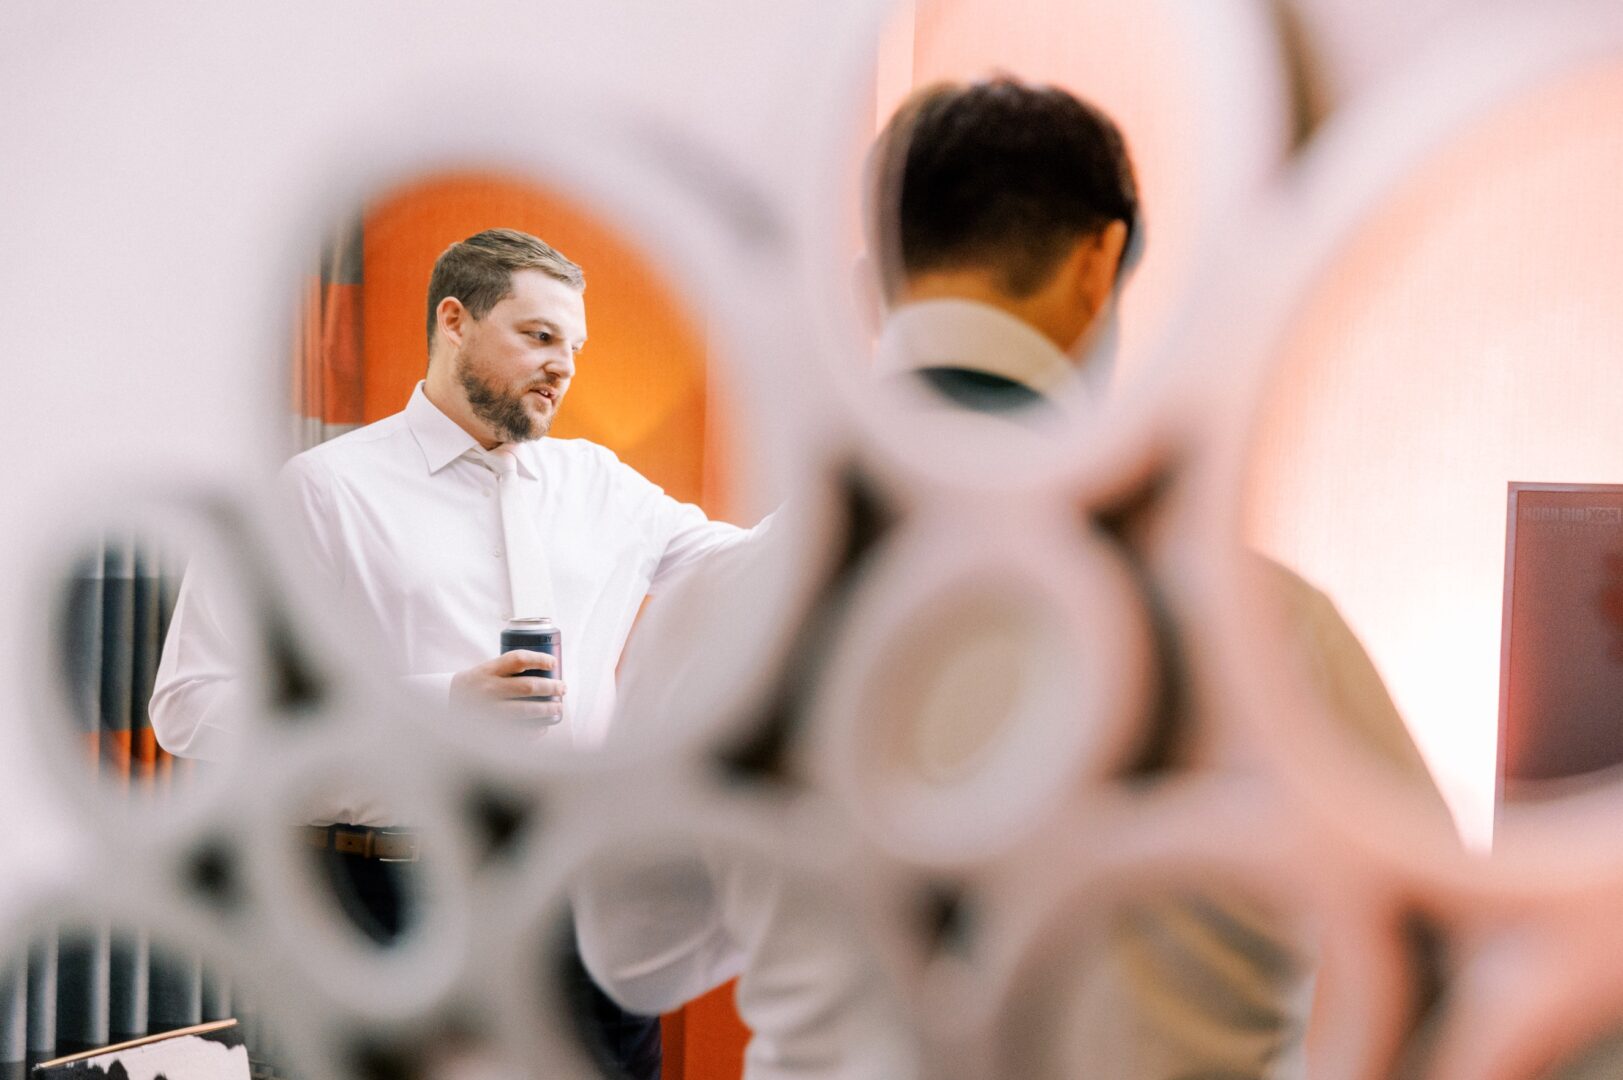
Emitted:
pixel 536 635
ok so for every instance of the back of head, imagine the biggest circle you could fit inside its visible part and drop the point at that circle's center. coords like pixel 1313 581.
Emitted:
pixel 999 175
pixel 478 271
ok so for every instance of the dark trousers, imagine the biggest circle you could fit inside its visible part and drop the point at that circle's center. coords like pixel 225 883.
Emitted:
pixel 377 897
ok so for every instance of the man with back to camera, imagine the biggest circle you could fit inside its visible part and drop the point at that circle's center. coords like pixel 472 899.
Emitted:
pixel 999 264
pixel 439 524
pixel 1003 217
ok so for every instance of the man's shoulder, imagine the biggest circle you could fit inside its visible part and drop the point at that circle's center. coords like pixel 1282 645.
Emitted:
pixel 582 454
pixel 594 467
pixel 584 449
pixel 376 443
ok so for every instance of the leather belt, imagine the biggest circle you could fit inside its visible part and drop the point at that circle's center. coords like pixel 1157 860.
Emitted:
pixel 365 841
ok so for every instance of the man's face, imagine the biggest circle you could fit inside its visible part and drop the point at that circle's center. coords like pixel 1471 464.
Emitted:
pixel 515 364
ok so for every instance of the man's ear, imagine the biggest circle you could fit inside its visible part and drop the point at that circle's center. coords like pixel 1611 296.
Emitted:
pixel 1094 264
pixel 453 320
pixel 1113 246
pixel 869 296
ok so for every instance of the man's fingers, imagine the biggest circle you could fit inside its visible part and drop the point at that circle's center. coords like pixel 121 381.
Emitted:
pixel 523 660
pixel 522 686
pixel 536 686
pixel 543 712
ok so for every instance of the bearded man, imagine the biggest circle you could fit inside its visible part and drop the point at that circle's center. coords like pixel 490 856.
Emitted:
pixel 439 524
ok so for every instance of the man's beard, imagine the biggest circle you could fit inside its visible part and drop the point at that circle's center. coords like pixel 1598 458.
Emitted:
pixel 503 410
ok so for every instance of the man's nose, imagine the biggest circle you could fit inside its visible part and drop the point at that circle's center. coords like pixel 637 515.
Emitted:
pixel 560 365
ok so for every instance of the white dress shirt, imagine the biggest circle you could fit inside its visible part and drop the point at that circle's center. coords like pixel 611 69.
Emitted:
pixel 404 529
pixel 1183 994
pixel 666 932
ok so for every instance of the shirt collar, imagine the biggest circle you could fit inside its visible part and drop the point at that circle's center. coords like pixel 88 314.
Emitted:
pixel 971 335
pixel 442 439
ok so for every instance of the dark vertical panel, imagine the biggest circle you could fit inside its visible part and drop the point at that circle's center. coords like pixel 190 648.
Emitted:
pixel 117 656
pixel 129 984
pixel 1562 667
pixel 83 986
pixel 169 572
pixel 14 1020
pixel 146 648
pixel 265 1056
pixel 177 991
pixel 42 965
pixel 80 642
pixel 216 996
pixel 246 1010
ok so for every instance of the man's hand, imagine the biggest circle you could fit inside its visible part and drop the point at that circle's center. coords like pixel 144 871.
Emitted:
pixel 496 689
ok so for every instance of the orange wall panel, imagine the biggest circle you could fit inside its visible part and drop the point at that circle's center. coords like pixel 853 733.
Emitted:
pixel 714 1038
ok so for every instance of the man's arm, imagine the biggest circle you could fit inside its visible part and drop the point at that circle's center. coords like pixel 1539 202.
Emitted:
pixel 1343 673
pixel 199 694
pixel 692 538
pixel 197 699
pixel 651 932
pixel 681 533
pixel 663 933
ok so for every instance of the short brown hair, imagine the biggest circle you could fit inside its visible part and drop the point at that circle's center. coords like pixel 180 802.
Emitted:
pixel 1001 174
pixel 478 271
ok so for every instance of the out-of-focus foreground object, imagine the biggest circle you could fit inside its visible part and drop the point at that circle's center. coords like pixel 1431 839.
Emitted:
pixel 1433 269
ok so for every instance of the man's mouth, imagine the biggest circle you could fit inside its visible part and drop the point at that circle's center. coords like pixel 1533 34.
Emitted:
pixel 546 392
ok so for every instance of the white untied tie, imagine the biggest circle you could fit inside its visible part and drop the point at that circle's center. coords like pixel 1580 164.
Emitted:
pixel 529 575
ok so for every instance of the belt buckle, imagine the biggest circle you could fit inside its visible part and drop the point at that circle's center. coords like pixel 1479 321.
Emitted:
pixel 410 835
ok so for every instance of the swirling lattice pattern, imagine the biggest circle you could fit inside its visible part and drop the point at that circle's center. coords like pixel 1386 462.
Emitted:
pixel 166 169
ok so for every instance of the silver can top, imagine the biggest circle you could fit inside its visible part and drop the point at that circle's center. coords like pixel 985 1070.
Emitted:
pixel 529 622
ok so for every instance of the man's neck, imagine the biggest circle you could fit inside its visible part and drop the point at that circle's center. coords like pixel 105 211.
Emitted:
pixel 442 391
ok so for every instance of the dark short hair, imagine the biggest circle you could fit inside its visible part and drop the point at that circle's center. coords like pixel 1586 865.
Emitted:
pixel 999 174
pixel 478 271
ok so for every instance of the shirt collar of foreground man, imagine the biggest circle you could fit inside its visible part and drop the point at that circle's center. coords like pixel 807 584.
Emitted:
pixel 443 441
pixel 973 336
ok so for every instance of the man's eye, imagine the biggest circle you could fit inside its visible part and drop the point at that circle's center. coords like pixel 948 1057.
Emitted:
pixel 542 336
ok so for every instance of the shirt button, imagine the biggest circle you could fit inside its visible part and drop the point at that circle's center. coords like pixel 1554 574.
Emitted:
pixel 485 492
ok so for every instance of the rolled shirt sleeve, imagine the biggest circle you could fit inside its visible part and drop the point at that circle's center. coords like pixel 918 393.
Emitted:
pixel 680 533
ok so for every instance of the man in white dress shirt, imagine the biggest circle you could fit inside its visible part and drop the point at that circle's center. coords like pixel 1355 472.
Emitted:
pixel 437 525
pixel 1005 218
pixel 983 290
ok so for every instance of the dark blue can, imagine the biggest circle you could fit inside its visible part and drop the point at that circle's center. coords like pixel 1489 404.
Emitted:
pixel 536 635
